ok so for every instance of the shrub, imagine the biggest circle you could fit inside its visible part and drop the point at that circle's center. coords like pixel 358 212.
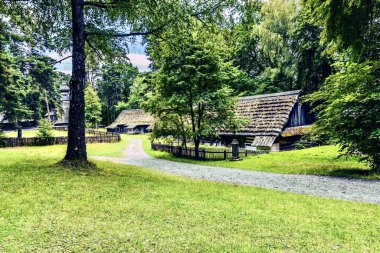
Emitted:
pixel 45 129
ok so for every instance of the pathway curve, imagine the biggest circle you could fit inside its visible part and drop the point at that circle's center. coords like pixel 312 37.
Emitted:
pixel 340 188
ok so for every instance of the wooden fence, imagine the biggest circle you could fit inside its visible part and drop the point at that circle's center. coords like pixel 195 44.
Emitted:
pixel 99 137
pixel 203 154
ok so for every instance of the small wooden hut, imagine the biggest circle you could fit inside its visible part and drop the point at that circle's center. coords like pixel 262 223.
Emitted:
pixel 276 121
pixel 133 121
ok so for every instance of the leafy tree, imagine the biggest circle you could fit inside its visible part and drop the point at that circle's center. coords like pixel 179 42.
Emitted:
pixel 351 24
pixel 278 47
pixel 313 65
pixel 11 92
pixel 45 129
pixel 191 91
pixel 274 43
pixel 138 94
pixel 40 83
pixel 93 107
pixel 349 110
pixel 141 86
pixel 114 88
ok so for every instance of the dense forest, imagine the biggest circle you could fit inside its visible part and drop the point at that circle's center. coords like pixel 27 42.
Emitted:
pixel 213 51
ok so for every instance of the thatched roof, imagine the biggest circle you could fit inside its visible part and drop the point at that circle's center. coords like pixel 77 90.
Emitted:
pixel 267 115
pixel 132 117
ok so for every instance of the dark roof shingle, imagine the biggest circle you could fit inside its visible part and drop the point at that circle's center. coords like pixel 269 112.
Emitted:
pixel 133 117
pixel 266 114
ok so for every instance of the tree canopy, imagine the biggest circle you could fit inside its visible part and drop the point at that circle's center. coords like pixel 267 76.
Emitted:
pixel 349 100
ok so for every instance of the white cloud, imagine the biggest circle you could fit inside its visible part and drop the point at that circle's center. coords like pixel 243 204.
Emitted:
pixel 64 66
pixel 68 72
pixel 141 61
pixel 57 56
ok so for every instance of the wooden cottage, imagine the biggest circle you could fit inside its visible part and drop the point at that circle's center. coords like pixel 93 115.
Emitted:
pixel 134 121
pixel 276 121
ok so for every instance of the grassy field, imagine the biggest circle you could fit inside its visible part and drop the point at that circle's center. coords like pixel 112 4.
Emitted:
pixel 108 149
pixel 46 208
pixel 33 133
pixel 316 161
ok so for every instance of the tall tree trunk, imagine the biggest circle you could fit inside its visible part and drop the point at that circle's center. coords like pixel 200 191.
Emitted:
pixel 196 144
pixel 76 146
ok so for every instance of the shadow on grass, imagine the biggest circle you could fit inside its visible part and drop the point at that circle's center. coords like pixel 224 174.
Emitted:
pixel 355 173
pixel 78 165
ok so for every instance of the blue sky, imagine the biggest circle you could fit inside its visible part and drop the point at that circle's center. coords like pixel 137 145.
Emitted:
pixel 137 56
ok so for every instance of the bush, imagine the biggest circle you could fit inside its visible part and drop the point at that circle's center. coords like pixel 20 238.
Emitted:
pixel 45 129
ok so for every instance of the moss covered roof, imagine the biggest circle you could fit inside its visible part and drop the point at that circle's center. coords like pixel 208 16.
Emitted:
pixel 132 117
pixel 267 114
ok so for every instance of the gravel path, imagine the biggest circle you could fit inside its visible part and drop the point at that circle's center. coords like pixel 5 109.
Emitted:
pixel 340 188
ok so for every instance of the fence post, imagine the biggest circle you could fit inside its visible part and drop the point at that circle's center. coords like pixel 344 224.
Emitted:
pixel 225 154
pixel 246 153
pixel 235 150
pixel 179 151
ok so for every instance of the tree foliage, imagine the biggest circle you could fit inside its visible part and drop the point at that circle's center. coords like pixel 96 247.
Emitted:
pixel 28 86
pixel 349 99
pixel 278 47
pixel 45 129
pixel 191 95
pixel 350 109
pixel 115 81
pixel 351 24
pixel 93 110
pixel 141 86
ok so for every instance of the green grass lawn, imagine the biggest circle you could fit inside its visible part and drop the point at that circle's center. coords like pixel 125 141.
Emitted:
pixel 119 208
pixel 108 149
pixel 33 133
pixel 316 161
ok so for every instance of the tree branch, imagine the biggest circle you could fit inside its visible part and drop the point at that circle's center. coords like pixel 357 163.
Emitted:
pixel 124 34
pixel 61 60
pixel 93 48
pixel 98 4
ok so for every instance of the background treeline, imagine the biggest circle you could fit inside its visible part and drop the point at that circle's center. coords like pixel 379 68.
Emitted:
pixel 28 82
